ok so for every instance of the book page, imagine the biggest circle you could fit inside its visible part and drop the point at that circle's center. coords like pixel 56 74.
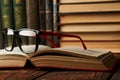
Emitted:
pixel 16 51
pixel 81 51
pixel 71 51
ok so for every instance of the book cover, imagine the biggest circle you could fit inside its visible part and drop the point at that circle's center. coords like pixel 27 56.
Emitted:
pixel 91 7
pixel 19 8
pixel 90 27
pixel 49 18
pixel 42 18
pixel 6 16
pixel 107 17
pixel 84 1
pixel 7 20
pixel 32 16
pixel 56 20
pixel 1 36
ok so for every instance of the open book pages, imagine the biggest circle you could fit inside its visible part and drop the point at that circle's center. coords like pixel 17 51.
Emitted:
pixel 67 57
pixel 73 51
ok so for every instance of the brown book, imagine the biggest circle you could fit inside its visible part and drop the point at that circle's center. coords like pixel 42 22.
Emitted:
pixel 90 18
pixel 85 1
pixel 1 39
pixel 75 58
pixel 108 36
pixel 91 27
pixel 113 46
pixel 94 7
pixel 32 14
pixel 1 35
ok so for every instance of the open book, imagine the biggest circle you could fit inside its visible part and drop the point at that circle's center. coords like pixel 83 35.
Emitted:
pixel 67 58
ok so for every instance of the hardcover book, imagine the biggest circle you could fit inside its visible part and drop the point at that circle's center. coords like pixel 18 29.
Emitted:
pixel 19 9
pixel 6 11
pixel 93 7
pixel 19 14
pixel 84 1
pixel 6 18
pixel 49 18
pixel 90 18
pixel 42 18
pixel 74 58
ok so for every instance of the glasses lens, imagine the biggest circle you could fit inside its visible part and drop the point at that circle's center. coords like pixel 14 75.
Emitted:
pixel 27 37
pixel 9 39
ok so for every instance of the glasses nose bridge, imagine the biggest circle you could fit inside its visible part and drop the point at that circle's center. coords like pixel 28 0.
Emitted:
pixel 16 37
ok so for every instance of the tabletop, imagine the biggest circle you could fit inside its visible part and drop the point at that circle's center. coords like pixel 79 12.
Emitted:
pixel 51 74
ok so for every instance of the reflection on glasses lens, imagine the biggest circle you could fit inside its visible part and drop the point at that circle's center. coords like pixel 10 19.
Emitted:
pixel 27 38
pixel 9 40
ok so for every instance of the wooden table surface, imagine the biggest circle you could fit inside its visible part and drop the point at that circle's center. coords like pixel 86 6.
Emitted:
pixel 48 74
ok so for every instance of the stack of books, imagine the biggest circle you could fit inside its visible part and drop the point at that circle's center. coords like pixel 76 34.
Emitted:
pixel 96 21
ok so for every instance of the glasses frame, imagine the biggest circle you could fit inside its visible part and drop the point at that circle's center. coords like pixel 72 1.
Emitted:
pixel 17 39
pixel 39 35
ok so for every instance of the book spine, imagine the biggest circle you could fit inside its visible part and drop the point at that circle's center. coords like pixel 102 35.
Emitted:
pixel 84 1
pixel 1 36
pixel 1 39
pixel 49 15
pixel 19 13
pixel 42 17
pixel 6 18
pixel 19 9
pixel 32 16
pixel 55 20
pixel 49 18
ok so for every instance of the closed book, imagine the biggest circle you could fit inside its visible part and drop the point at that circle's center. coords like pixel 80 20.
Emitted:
pixel 55 20
pixel 90 27
pixel 84 1
pixel 1 36
pixel 42 18
pixel 32 16
pixel 91 7
pixel 107 17
pixel 6 17
pixel 7 20
pixel 49 18
pixel 19 7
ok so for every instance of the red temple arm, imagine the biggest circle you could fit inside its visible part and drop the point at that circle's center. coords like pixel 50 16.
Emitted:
pixel 42 34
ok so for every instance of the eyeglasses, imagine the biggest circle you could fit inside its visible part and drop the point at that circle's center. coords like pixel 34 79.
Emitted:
pixel 22 36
